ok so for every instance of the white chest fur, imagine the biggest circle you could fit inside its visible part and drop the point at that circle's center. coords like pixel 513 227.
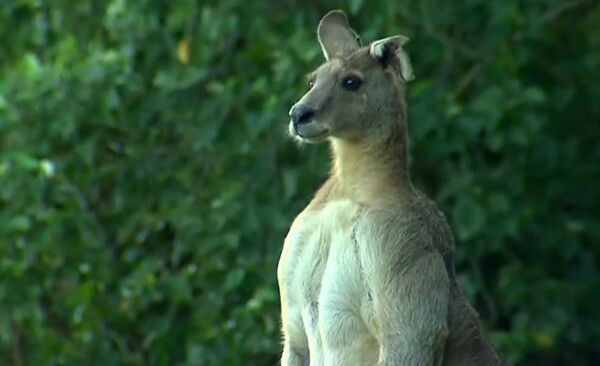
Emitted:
pixel 326 304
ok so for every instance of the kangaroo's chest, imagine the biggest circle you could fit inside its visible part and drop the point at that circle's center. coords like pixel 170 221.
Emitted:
pixel 325 297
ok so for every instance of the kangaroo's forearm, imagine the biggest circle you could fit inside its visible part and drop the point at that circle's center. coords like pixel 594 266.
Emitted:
pixel 419 358
pixel 427 350
pixel 290 357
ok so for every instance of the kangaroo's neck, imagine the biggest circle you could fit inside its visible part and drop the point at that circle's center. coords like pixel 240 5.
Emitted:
pixel 371 173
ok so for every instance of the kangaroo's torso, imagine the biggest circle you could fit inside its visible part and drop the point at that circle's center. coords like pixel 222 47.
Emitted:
pixel 326 299
pixel 326 302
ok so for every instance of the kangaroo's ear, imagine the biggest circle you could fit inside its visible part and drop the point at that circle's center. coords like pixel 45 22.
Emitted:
pixel 335 35
pixel 389 51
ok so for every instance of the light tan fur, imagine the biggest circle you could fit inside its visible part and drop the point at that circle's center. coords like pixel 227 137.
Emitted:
pixel 366 274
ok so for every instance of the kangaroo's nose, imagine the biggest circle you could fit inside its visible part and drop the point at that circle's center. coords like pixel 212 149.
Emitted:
pixel 301 114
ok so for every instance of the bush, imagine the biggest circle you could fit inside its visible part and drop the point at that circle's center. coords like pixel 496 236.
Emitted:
pixel 146 182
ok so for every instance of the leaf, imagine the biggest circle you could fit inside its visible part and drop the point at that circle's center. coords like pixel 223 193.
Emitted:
pixel 469 218
pixel 183 52
pixel 233 279
pixel 19 224
pixel 356 6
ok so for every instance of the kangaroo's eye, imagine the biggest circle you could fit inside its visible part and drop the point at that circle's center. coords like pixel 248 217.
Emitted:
pixel 351 83
pixel 310 84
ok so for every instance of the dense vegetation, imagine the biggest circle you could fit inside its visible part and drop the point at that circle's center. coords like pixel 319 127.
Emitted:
pixel 146 182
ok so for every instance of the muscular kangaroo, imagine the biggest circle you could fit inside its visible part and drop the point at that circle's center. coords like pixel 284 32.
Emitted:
pixel 366 274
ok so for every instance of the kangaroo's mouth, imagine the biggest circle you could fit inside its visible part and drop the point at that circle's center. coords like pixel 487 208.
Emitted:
pixel 311 132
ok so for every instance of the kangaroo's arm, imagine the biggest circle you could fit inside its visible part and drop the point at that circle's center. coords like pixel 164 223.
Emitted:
pixel 291 357
pixel 410 291
pixel 293 353
pixel 295 343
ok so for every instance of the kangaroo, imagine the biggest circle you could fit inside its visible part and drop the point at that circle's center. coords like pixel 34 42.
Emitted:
pixel 366 274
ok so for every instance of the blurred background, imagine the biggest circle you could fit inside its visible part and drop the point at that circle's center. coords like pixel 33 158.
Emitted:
pixel 147 182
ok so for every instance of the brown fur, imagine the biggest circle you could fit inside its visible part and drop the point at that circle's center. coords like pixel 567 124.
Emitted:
pixel 366 274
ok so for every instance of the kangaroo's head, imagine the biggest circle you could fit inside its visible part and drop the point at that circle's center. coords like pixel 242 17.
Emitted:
pixel 358 93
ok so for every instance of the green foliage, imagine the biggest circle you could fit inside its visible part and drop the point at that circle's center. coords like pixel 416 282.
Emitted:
pixel 146 182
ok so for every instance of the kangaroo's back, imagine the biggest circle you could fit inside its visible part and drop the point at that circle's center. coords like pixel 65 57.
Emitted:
pixel 466 344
